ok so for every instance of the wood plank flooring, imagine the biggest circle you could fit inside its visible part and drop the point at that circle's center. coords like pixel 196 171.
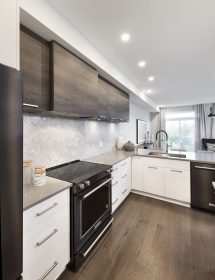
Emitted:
pixel 153 240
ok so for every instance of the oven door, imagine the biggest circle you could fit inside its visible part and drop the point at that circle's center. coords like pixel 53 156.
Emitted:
pixel 91 209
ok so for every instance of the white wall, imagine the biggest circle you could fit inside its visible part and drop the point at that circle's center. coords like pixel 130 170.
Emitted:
pixel 9 33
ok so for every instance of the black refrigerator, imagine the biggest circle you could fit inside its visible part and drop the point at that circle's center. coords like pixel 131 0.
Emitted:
pixel 11 158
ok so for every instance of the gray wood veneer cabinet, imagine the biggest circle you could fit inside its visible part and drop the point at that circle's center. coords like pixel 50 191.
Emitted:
pixel 74 84
pixel 34 65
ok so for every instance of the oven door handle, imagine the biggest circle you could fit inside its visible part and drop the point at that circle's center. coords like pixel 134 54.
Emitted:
pixel 95 241
pixel 94 190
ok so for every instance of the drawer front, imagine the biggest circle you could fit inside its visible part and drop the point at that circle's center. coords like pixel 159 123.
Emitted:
pixel 45 209
pixel 45 236
pixel 169 163
pixel 52 264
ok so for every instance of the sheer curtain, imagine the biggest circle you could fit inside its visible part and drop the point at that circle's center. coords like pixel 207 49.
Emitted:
pixel 204 126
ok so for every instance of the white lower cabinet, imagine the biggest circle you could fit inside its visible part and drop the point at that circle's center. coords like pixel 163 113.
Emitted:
pixel 177 184
pixel 153 179
pixel 137 173
pixel 162 177
pixel 46 238
pixel 121 183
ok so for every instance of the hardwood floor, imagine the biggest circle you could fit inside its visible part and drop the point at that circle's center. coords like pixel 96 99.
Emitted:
pixel 152 239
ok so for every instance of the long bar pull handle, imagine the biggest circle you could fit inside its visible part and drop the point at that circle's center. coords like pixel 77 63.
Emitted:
pixel 124 191
pixel 39 243
pixel 115 183
pixel 91 246
pixel 94 190
pixel 178 171
pixel 115 201
pixel 152 167
pixel 124 164
pixel 46 210
pixel 48 271
pixel 124 176
pixel 204 167
pixel 30 105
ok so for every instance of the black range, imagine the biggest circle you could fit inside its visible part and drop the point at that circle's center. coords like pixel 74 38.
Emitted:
pixel 90 205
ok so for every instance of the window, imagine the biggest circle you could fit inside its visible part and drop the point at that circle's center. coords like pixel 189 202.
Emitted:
pixel 180 127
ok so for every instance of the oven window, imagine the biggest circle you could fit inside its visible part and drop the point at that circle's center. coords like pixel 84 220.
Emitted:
pixel 94 207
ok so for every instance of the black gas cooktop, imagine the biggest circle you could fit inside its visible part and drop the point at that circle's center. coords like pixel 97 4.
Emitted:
pixel 76 171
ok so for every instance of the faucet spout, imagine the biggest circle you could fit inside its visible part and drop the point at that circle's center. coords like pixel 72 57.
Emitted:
pixel 158 133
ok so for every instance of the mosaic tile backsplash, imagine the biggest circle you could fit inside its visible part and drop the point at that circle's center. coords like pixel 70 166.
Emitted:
pixel 55 140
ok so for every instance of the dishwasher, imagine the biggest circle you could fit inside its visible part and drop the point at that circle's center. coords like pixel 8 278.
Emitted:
pixel 203 185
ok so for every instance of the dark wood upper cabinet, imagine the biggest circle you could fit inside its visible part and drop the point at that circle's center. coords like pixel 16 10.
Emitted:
pixel 34 65
pixel 113 103
pixel 74 84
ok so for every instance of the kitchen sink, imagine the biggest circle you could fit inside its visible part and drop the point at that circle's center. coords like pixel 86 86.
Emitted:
pixel 168 155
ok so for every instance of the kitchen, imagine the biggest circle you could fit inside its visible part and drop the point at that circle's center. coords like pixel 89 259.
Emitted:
pixel 92 82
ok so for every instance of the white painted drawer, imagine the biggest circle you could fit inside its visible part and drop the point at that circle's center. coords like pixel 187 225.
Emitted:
pixel 45 236
pixel 52 264
pixel 169 163
pixel 37 214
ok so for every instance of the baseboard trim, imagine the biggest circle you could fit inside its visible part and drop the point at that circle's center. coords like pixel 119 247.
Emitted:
pixel 185 204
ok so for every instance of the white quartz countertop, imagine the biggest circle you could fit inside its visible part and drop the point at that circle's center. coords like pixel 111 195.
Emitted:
pixel 115 156
pixel 33 195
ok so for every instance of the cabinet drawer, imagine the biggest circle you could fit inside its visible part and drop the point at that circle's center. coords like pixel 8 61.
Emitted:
pixel 45 236
pixel 169 163
pixel 116 200
pixel 177 184
pixel 52 264
pixel 43 210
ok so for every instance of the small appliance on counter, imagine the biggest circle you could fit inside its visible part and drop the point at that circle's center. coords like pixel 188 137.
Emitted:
pixel 129 147
pixel 90 199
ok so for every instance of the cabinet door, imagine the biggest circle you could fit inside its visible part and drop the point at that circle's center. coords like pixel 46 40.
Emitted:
pixel 122 106
pixel 107 100
pixel 177 184
pixel 74 84
pixel 34 65
pixel 153 179
pixel 137 173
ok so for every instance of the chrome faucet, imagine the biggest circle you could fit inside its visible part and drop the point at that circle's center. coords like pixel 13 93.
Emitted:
pixel 156 137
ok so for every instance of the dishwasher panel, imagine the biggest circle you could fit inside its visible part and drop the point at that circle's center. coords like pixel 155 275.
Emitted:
pixel 203 185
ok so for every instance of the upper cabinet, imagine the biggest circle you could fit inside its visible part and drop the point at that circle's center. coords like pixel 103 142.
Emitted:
pixel 74 84
pixel 58 82
pixel 113 103
pixel 34 65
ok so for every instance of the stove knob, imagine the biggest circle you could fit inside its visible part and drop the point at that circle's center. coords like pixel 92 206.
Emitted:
pixel 81 186
pixel 87 183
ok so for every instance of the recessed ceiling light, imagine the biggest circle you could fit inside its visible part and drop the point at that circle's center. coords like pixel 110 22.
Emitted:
pixel 151 78
pixel 149 91
pixel 125 37
pixel 142 64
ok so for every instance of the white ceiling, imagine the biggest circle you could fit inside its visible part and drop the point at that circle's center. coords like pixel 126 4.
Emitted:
pixel 176 38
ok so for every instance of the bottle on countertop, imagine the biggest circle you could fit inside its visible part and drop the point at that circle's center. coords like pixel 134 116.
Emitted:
pixel 27 172
pixel 39 175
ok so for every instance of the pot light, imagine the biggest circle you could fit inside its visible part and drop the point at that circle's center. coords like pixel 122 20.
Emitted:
pixel 125 37
pixel 149 91
pixel 142 64
pixel 151 78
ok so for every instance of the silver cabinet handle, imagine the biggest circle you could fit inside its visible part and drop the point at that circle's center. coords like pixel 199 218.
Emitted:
pixel 212 204
pixel 30 105
pixel 91 246
pixel 46 210
pixel 115 201
pixel 124 191
pixel 178 171
pixel 213 184
pixel 124 164
pixel 115 183
pixel 204 167
pixel 152 167
pixel 124 176
pixel 46 238
pixel 94 190
pixel 48 271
